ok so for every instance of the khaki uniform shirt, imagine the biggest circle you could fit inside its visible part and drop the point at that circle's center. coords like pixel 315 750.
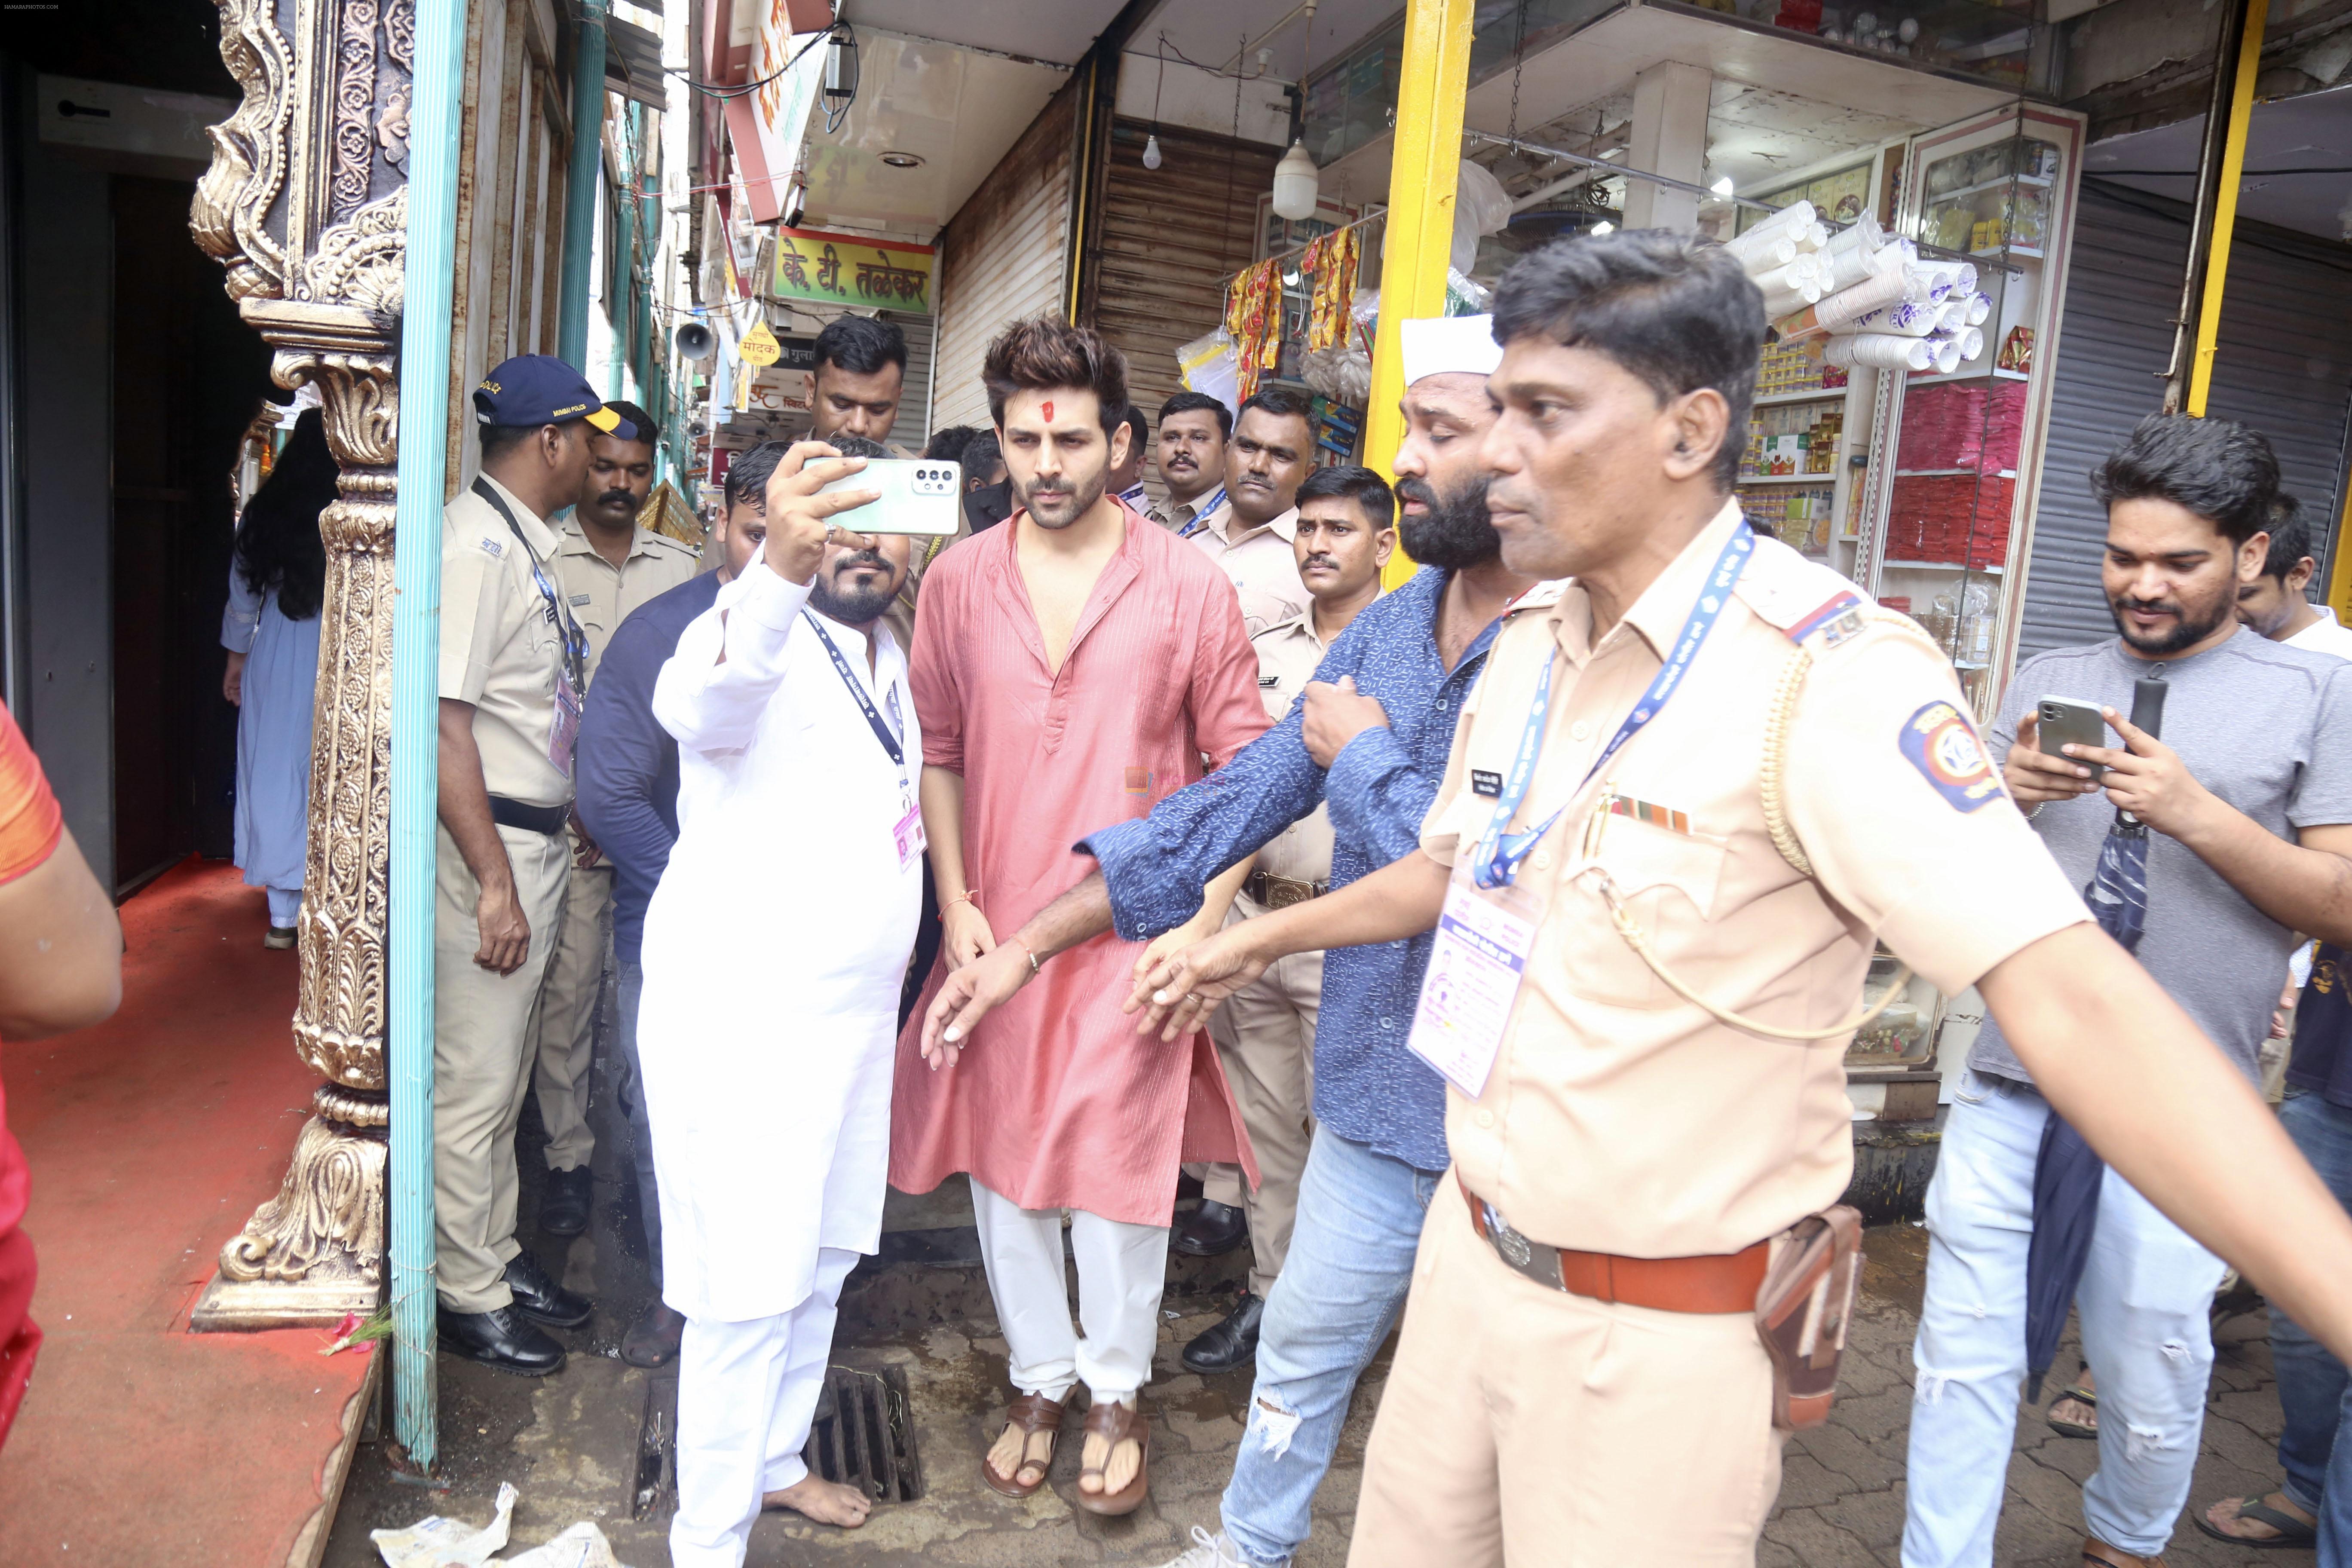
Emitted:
pixel 604 595
pixel 1260 564
pixel 1287 658
pixel 1176 516
pixel 1618 1118
pixel 501 646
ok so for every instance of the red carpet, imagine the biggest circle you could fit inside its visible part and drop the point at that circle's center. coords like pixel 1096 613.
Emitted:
pixel 152 1138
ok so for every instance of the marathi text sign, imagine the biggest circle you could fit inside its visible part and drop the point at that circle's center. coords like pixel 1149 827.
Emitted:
pixel 849 269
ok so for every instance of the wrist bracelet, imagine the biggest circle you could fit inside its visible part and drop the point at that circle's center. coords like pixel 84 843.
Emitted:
pixel 969 896
pixel 1031 957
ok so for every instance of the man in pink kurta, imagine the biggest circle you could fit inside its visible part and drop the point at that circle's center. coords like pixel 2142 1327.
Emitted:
pixel 1057 1103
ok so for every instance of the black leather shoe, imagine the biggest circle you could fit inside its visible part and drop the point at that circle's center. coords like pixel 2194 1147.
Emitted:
pixel 542 1299
pixel 563 1207
pixel 500 1339
pixel 1222 1346
pixel 1211 1231
pixel 653 1339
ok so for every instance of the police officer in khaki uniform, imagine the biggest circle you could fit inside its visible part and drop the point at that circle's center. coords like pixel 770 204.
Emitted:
pixel 514 663
pixel 1693 791
pixel 606 565
pixel 1265 1034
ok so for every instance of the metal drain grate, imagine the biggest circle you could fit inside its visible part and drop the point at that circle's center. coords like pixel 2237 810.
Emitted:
pixel 863 1435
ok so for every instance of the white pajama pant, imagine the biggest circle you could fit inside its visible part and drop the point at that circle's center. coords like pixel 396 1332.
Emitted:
pixel 1122 1269
pixel 746 1394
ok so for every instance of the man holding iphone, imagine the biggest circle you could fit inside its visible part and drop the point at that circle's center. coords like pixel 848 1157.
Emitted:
pixel 2248 798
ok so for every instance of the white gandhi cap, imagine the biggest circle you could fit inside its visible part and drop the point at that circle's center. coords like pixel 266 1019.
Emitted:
pixel 1435 345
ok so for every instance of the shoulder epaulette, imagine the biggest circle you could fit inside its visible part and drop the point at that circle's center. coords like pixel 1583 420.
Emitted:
pixel 1805 601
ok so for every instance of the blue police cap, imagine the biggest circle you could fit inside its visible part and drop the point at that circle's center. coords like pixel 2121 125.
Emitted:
pixel 540 389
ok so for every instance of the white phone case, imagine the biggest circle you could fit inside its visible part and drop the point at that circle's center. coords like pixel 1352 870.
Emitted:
pixel 920 495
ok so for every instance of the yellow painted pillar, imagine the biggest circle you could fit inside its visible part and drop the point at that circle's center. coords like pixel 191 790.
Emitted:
pixel 1420 230
pixel 2339 572
pixel 2225 208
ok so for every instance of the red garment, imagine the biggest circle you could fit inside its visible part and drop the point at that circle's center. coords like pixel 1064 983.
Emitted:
pixel 30 826
pixel 1057 1103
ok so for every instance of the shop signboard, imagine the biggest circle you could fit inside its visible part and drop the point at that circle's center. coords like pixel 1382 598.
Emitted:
pixel 854 269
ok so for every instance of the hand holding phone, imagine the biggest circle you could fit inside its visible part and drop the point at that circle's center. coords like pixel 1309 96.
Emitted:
pixel 2035 770
pixel 918 495
pixel 2071 721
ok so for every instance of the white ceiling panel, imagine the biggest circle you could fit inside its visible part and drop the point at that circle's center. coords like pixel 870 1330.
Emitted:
pixel 2313 131
pixel 1057 30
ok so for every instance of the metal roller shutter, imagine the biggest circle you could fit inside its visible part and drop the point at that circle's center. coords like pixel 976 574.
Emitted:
pixel 1002 258
pixel 1170 237
pixel 2285 366
pixel 914 428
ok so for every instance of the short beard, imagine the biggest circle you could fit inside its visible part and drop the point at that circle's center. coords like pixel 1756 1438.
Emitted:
pixel 2187 632
pixel 859 607
pixel 1455 534
pixel 1085 496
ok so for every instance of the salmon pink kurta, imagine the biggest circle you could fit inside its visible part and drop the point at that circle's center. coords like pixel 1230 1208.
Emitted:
pixel 1055 1101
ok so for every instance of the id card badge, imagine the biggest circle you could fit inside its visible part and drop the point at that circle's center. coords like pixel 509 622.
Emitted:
pixel 1475 968
pixel 563 735
pixel 908 835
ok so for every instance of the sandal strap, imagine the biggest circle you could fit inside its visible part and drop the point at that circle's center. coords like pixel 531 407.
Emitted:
pixel 2289 1527
pixel 1034 1413
pixel 1114 1420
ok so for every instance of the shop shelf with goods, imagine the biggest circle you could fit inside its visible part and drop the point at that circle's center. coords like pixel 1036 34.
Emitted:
pixel 1948 501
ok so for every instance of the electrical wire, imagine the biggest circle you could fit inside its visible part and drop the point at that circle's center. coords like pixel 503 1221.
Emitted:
pixel 745 89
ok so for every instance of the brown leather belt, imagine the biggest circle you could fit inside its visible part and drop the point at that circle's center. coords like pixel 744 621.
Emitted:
pixel 1722 1283
pixel 1281 892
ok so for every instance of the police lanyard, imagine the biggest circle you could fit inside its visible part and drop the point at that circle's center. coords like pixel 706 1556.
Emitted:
pixel 873 717
pixel 575 641
pixel 1496 861
pixel 1208 503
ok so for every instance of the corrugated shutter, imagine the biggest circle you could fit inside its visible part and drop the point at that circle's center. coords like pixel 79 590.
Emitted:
pixel 2285 366
pixel 913 427
pixel 1170 237
pixel 1002 258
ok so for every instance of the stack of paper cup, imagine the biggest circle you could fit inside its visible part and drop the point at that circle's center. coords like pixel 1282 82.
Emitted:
pixel 1879 350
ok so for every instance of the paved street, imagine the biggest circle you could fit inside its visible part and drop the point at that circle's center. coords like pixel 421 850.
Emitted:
pixel 570 1444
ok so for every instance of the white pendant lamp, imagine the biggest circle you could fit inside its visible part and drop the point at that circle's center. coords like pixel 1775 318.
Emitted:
pixel 1296 182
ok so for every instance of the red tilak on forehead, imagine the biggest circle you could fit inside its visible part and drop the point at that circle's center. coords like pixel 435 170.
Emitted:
pixel 1049 413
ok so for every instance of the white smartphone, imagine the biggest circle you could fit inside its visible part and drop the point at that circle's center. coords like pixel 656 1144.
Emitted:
pixel 920 495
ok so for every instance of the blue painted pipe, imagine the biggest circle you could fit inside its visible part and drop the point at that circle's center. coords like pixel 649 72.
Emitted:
pixel 580 194
pixel 428 269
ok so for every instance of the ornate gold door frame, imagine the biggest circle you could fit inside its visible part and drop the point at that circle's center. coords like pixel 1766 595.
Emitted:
pixel 304 206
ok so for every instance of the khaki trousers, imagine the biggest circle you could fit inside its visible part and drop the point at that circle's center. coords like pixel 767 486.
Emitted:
pixel 1265 1038
pixel 481 1064
pixel 563 1030
pixel 1526 1424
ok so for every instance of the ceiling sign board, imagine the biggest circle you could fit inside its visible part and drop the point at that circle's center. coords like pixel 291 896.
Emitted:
pixel 850 269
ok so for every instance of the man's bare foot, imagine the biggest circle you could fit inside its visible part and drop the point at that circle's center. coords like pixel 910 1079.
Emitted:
pixel 1126 1459
pixel 2072 1412
pixel 2228 1518
pixel 827 1502
pixel 1018 1464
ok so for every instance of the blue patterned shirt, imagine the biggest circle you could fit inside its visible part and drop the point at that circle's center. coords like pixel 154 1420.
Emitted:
pixel 1368 1088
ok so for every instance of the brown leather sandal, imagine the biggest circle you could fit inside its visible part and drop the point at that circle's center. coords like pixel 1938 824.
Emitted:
pixel 1115 1424
pixel 2099 1555
pixel 1032 1414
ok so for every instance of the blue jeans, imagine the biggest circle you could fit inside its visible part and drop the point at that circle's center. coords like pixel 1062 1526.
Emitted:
pixel 2144 1299
pixel 2316 1449
pixel 1338 1296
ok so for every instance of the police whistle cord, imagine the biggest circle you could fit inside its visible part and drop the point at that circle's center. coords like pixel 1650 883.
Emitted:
pixel 1770 781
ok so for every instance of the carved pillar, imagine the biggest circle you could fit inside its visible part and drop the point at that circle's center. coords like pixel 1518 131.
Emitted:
pixel 304 206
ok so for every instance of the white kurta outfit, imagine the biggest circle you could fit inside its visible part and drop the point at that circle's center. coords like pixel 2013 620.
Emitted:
pixel 273 741
pixel 774 950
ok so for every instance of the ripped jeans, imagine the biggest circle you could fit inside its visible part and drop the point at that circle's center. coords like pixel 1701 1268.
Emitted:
pixel 2143 1303
pixel 1337 1298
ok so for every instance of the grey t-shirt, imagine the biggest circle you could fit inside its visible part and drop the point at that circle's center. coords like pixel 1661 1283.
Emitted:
pixel 2267 728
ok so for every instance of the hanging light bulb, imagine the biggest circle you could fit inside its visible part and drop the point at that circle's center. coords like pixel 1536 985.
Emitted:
pixel 1295 182
pixel 1152 151
pixel 1604 226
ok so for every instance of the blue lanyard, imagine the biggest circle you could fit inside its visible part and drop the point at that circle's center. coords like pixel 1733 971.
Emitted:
pixel 559 613
pixel 1208 504
pixel 840 666
pixel 1496 861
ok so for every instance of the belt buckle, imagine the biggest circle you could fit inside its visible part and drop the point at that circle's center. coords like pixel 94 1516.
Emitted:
pixel 1281 892
pixel 1524 1256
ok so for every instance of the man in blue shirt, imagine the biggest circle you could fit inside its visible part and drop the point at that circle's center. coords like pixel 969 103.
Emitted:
pixel 625 769
pixel 1369 737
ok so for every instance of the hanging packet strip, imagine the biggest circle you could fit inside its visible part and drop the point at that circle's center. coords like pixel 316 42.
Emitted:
pixel 906 833
pixel 571 679
pixel 1495 861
